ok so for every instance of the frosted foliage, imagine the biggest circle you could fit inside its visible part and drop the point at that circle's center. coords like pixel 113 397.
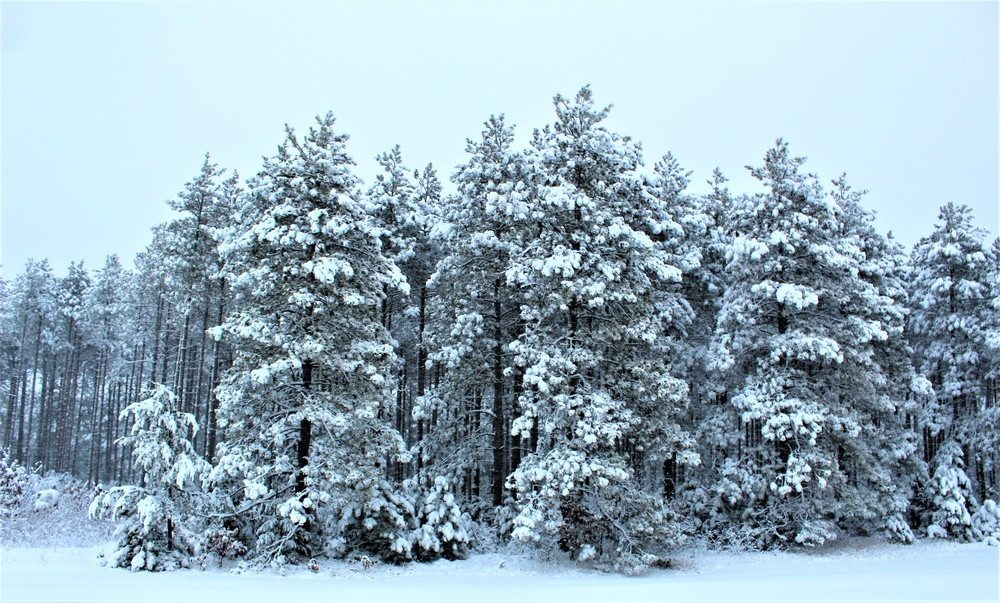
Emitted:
pixel 953 497
pixel 154 519
pixel 306 442
pixel 442 529
pixel 809 357
pixel 161 441
pixel 951 313
pixel 473 312
pixel 986 522
pixel 13 481
pixel 597 374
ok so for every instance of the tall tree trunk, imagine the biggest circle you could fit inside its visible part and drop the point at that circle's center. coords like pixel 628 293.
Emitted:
pixel 499 475
pixel 156 339
pixel 211 427
pixel 23 452
pixel 8 426
pixel 199 384
pixel 305 433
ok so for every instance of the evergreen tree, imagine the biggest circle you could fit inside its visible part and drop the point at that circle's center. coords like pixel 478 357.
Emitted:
pixel 153 532
pixel 953 496
pixel 883 465
pixel 406 213
pixel 598 384
pixel 949 329
pixel 476 312
pixel 110 324
pixel 802 324
pixel 313 362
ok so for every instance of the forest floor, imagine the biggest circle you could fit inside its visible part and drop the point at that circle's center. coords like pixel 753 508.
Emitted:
pixel 852 570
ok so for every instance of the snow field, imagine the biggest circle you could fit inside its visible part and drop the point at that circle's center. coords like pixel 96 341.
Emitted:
pixel 861 570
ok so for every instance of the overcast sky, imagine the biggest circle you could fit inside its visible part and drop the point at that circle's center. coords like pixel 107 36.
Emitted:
pixel 108 108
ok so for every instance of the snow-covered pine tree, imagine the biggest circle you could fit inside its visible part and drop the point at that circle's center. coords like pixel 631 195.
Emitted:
pixel 153 518
pixel 987 437
pixel 32 326
pixel 798 340
pixel 949 329
pixel 953 501
pixel 442 528
pixel 886 393
pixel 313 361
pixel 475 314
pixel 110 321
pixel 697 241
pixel 598 384
pixel 407 213
pixel 196 296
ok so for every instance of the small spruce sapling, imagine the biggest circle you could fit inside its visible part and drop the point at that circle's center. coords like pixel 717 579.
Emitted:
pixel 953 496
pixel 442 528
pixel 153 533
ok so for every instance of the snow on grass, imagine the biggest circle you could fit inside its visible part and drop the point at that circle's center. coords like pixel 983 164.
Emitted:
pixel 861 570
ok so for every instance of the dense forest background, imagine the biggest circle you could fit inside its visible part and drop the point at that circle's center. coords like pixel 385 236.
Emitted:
pixel 568 350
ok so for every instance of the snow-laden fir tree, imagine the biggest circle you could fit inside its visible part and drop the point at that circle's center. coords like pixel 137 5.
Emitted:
pixel 476 312
pixel 800 344
pixel 304 459
pixel 441 528
pixel 153 518
pixel 597 381
pixel 950 330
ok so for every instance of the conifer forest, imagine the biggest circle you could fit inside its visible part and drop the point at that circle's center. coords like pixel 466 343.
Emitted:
pixel 570 351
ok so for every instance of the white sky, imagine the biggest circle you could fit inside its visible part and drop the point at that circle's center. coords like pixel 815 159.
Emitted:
pixel 108 108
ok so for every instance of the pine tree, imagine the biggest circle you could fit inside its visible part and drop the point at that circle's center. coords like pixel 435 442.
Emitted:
pixel 407 213
pixel 194 296
pixel 807 330
pixel 883 465
pixel 153 532
pixel 313 360
pixel 598 386
pixel 953 496
pixel 700 248
pixel 110 322
pixel 949 329
pixel 476 312
pixel 34 321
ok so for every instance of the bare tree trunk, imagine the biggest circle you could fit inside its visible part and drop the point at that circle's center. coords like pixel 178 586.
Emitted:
pixel 23 452
pixel 305 433
pixel 499 475
pixel 156 339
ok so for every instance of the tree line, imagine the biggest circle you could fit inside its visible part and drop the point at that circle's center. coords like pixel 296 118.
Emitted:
pixel 567 350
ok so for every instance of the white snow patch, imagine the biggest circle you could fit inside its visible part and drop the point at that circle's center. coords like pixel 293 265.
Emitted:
pixel 856 571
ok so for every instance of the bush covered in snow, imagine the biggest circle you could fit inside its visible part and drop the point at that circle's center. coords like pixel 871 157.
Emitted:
pixel 13 479
pixel 31 517
pixel 986 522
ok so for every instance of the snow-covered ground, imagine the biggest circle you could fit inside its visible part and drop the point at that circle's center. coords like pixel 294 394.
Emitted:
pixel 861 570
